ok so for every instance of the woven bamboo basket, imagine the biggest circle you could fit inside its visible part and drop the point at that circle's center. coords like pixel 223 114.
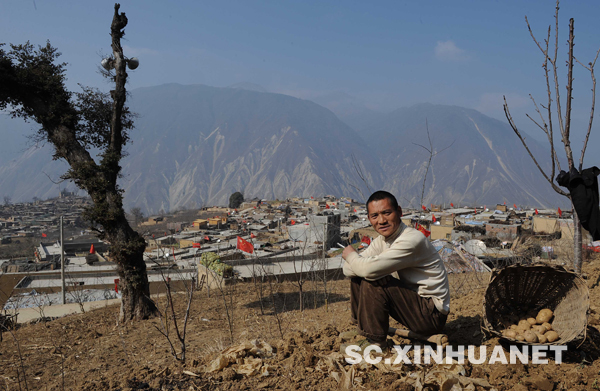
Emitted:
pixel 517 289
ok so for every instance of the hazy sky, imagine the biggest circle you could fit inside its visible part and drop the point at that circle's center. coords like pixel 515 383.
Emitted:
pixel 387 53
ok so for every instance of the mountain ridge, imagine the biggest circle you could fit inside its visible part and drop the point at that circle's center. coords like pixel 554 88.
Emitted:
pixel 194 145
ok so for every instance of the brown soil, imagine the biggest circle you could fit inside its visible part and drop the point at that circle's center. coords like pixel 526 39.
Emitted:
pixel 92 352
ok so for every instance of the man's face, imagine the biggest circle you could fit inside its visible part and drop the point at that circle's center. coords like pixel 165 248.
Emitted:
pixel 383 217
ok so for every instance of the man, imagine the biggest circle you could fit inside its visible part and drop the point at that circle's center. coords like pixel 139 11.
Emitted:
pixel 400 275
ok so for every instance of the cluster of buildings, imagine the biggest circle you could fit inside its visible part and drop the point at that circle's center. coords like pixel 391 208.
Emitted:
pixel 305 228
pixel 285 238
pixel 41 218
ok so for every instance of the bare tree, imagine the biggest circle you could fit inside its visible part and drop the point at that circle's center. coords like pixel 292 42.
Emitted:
pixel 553 108
pixel 361 176
pixel 300 274
pixel 272 292
pixel 169 315
pixel 7 200
pixel 432 152
pixel 78 293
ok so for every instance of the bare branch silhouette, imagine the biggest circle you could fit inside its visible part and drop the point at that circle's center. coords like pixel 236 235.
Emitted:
pixel 431 152
pixel 564 119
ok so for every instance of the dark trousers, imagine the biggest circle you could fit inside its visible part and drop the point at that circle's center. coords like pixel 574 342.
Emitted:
pixel 373 302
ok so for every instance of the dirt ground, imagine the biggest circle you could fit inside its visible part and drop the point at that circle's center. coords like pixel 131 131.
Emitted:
pixel 92 351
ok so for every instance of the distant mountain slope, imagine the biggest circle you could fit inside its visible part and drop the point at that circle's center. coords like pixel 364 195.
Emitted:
pixel 195 145
pixel 486 163
pixel 13 134
pixel 33 174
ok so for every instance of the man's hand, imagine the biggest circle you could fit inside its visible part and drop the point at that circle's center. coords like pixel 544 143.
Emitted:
pixel 347 251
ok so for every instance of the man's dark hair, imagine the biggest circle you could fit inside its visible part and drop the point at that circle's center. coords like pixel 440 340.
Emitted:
pixel 382 195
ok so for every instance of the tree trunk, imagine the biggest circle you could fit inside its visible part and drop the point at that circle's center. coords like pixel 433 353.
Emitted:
pixel 127 246
pixel 577 243
pixel 127 251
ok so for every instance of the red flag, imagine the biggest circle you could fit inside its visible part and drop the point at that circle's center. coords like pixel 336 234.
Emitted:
pixel 423 206
pixel 366 239
pixel 196 245
pixel 433 218
pixel 207 238
pixel 354 210
pixel 244 245
pixel 536 212
pixel 504 202
pixel 312 198
pixel 559 212
pixel 293 222
pixel 452 205
pixel 326 206
pixel 92 250
pixel 252 236
pixel 423 230
pixel 515 205
pixel 44 235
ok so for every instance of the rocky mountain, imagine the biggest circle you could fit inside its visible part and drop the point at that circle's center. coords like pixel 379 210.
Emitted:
pixel 195 145
pixel 484 161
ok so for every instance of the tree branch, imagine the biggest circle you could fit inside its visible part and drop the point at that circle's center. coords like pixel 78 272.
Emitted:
pixel 547 128
pixel 548 131
pixel 589 130
pixel 545 52
pixel 419 145
pixel 359 191
pixel 359 172
pixel 443 149
pixel 555 71
pixel 518 133
pixel 567 132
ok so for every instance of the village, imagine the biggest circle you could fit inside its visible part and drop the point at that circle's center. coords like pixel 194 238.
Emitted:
pixel 269 272
pixel 286 239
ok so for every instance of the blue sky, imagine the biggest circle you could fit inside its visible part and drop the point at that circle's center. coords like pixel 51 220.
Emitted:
pixel 389 54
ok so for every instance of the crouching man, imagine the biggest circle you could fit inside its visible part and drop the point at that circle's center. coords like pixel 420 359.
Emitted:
pixel 400 275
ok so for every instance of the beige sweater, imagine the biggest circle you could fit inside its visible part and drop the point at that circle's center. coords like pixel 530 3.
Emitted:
pixel 409 256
